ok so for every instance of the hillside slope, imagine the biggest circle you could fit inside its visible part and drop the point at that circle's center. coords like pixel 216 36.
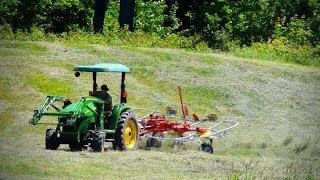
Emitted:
pixel 278 106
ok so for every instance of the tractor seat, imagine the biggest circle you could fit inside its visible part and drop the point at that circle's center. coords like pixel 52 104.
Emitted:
pixel 107 113
pixel 107 118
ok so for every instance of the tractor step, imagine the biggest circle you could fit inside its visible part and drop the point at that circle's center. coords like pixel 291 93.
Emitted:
pixel 109 131
pixel 109 140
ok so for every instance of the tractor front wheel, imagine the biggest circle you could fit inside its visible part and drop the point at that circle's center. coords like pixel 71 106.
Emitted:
pixel 51 140
pixel 98 141
pixel 127 136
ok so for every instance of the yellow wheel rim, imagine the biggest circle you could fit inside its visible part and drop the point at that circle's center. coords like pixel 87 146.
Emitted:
pixel 130 134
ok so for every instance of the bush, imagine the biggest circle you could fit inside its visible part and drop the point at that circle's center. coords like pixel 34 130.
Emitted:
pixel 50 15
pixel 137 38
pixel 67 15
pixel 111 21
pixel 150 17
pixel 297 31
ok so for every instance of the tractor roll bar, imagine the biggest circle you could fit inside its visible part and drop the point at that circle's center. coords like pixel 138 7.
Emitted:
pixel 123 95
pixel 94 78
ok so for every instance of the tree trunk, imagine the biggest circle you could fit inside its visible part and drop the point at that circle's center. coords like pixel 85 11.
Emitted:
pixel 99 13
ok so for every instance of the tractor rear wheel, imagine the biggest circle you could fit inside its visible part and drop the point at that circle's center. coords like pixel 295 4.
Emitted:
pixel 127 133
pixel 51 140
pixel 98 141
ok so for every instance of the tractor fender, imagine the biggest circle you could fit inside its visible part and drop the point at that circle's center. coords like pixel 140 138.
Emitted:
pixel 116 113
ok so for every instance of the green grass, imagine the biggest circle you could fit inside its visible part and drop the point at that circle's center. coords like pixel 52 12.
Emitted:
pixel 280 52
pixel 9 48
pixel 276 103
pixel 23 45
pixel 49 85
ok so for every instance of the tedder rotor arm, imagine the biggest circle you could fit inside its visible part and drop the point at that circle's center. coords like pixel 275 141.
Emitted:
pixel 49 102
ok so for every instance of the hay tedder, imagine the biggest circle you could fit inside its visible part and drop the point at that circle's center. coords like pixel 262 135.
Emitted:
pixel 157 128
pixel 86 123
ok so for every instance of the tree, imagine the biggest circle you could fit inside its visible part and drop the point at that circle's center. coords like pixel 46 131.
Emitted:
pixel 99 14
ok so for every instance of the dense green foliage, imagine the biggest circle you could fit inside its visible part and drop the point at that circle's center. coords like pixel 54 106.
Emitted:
pixel 286 31
pixel 49 15
pixel 248 21
pixel 217 22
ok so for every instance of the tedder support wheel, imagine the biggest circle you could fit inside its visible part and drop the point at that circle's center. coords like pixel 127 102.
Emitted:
pixel 154 142
pixel 205 147
pixel 126 137
pixel 98 141
pixel 51 140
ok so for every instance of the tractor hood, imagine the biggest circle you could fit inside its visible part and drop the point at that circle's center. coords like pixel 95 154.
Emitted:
pixel 70 107
pixel 84 110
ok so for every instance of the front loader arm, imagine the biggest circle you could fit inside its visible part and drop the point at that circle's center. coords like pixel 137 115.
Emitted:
pixel 49 102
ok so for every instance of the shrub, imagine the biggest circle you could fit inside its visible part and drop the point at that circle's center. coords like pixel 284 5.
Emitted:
pixel 150 17
pixel 297 31
pixel 49 15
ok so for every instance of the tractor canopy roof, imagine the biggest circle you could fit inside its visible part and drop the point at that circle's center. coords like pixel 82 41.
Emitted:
pixel 103 67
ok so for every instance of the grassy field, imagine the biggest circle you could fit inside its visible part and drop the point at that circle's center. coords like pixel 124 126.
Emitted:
pixel 277 104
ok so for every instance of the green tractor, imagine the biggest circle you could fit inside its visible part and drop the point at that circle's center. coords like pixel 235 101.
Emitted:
pixel 85 123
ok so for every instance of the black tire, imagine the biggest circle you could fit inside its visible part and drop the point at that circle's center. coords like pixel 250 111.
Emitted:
pixel 75 146
pixel 127 132
pixel 179 145
pixel 205 147
pixel 154 142
pixel 98 141
pixel 51 140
